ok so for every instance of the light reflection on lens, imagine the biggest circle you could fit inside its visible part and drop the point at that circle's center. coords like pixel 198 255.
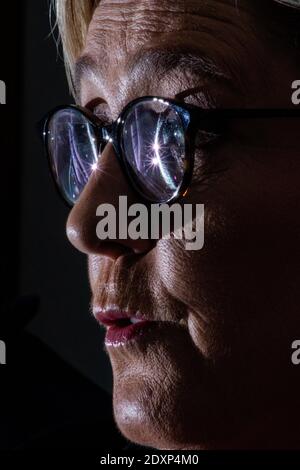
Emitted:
pixel 72 146
pixel 153 141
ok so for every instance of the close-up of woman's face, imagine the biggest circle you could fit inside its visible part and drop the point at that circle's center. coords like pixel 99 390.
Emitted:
pixel 199 340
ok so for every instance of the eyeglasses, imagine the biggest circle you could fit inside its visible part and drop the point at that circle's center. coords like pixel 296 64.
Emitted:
pixel 153 139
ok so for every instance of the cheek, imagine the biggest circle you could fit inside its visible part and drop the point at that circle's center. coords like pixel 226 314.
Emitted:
pixel 250 232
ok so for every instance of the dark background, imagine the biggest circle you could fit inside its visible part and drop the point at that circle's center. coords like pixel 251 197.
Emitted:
pixel 56 385
pixel 50 267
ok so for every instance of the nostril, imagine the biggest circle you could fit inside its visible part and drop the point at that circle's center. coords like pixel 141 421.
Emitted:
pixel 113 250
pixel 88 243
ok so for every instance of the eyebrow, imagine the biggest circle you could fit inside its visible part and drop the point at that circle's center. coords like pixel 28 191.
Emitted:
pixel 146 62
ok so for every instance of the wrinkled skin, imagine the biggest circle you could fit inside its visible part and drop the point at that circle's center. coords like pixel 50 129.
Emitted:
pixel 216 371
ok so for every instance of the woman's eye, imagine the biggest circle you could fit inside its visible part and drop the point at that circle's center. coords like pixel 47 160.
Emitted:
pixel 102 116
pixel 101 111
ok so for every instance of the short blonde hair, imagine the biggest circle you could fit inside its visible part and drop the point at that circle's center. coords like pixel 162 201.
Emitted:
pixel 73 18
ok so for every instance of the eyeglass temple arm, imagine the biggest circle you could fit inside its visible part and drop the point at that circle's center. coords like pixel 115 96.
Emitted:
pixel 240 113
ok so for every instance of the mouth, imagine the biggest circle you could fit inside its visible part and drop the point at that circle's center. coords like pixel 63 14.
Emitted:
pixel 121 326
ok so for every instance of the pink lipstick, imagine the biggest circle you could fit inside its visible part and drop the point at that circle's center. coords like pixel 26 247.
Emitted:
pixel 121 326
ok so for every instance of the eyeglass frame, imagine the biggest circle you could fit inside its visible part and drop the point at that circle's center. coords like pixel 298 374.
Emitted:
pixel 111 133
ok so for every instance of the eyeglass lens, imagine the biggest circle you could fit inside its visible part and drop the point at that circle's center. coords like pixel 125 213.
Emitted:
pixel 153 144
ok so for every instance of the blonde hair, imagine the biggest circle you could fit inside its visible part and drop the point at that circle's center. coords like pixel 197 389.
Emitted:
pixel 73 18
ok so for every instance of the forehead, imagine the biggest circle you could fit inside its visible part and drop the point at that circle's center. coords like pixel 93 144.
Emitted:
pixel 119 31
pixel 129 19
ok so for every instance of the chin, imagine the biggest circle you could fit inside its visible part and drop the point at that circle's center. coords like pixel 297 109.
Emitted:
pixel 148 420
pixel 157 396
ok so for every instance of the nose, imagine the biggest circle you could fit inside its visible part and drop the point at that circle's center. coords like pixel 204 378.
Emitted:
pixel 106 183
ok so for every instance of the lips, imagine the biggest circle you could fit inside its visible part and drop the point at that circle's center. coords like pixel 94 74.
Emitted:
pixel 121 326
